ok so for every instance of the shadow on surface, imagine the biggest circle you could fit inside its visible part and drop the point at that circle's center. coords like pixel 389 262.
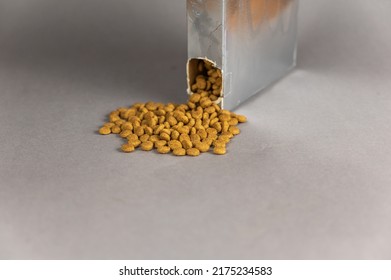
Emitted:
pixel 106 44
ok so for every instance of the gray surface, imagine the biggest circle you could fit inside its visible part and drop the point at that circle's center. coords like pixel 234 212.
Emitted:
pixel 309 177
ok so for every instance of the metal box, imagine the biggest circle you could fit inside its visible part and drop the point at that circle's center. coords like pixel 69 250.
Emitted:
pixel 252 42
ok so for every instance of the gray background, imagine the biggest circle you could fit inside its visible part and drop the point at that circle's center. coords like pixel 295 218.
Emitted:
pixel 309 177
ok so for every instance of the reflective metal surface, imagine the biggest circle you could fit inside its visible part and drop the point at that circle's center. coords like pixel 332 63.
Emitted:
pixel 252 41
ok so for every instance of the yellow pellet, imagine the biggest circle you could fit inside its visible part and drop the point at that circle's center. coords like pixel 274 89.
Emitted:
pixel 193 152
pixel 144 138
pixel 206 103
pixel 219 143
pixel 241 118
pixel 234 130
pixel 116 129
pixel 139 131
pixel 202 133
pixel 165 136
pixel 160 143
pixel 233 121
pixel 195 98
pixel 217 126
pixel 175 135
pixel 109 124
pixel 219 150
pixel 135 143
pixel 127 148
pixel 193 130
pixel 224 117
pixel 159 128
pixel 104 130
pixel 224 126
pixel 187 144
pixel 211 131
pixel 132 137
pixel 224 138
pixel 126 126
pixel 125 133
pixel 119 122
pixel 163 150
pixel 174 144
pixel 179 152
pixel 195 138
pixel 183 129
pixel 202 147
pixel 172 121
pixel 184 136
pixel 147 146
pixel 227 133
pixel 154 138
pixel 148 130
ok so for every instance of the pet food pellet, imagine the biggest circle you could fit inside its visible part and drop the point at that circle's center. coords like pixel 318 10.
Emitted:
pixel 105 130
pixel 125 133
pixel 234 130
pixel 179 152
pixel 241 118
pixel 116 129
pixel 193 152
pixel 127 148
pixel 187 144
pixel 132 137
pixel 202 147
pixel 144 138
pixel 160 143
pixel 163 150
pixel 147 146
pixel 174 144
pixel 219 150
pixel 135 143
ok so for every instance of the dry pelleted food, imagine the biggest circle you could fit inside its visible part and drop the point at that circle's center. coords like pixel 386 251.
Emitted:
pixel 189 129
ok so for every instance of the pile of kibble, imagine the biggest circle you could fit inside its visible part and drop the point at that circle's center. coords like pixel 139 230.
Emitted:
pixel 185 129
pixel 208 80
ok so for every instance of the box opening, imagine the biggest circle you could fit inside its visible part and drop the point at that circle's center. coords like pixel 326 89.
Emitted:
pixel 205 78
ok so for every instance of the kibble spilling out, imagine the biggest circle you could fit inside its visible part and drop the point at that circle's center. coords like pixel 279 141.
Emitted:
pixel 199 126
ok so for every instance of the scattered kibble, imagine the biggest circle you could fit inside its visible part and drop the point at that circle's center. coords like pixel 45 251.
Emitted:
pixel 127 148
pixel 199 126
pixel 179 152
pixel 104 130
pixel 193 152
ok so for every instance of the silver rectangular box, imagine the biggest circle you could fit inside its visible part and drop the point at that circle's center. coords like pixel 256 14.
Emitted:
pixel 253 42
